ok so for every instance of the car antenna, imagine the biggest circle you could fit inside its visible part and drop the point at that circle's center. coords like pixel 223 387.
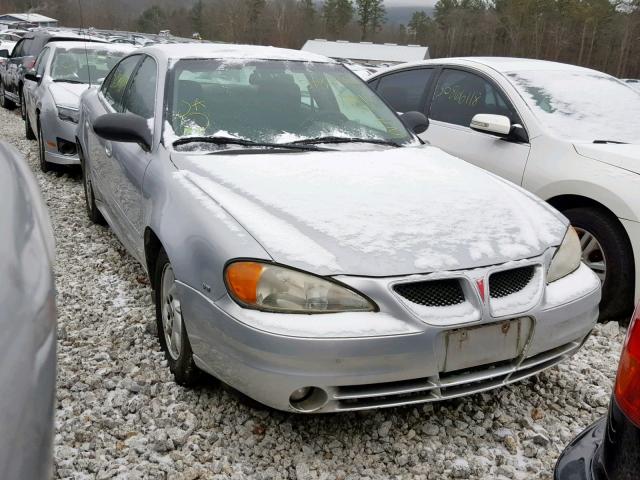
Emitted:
pixel 84 35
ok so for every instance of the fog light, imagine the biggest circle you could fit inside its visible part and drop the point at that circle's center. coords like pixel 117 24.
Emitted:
pixel 308 399
pixel 300 394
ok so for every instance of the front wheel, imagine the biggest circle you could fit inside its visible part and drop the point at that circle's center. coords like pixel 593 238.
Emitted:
pixel 607 251
pixel 89 197
pixel 28 130
pixel 171 328
pixel 44 165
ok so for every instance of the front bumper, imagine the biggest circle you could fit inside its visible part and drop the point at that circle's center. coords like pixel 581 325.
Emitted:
pixel 405 364
pixel 53 130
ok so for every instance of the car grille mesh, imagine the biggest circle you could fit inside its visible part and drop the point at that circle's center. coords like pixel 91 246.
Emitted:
pixel 508 282
pixel 437 293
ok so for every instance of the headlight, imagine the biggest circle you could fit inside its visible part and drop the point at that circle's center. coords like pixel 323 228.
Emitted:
pixel 567 258
pixel 271 288
pixel 68 114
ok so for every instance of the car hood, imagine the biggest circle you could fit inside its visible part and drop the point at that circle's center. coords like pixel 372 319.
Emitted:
pixel 375 213
pixel 625 156
pixel 67 94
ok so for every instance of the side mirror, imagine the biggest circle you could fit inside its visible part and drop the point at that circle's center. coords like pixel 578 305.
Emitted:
pixel 417 122
pixel 4 53
pixel 495 124
pixel 33 76
pixel 125 128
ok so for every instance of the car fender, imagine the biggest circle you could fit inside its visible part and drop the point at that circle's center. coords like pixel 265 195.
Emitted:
pixel 199 236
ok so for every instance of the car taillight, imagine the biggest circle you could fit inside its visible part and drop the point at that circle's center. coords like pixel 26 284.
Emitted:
pixel 627 389
pixel 29 63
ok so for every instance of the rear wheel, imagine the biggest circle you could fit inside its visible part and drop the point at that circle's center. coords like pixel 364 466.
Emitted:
pixel 44 165
pixel 4 101
pixel 607 251
pixel 171 328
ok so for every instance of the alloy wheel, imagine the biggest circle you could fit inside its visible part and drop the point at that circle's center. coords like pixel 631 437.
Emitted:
pixel 592 253
pixel 171 313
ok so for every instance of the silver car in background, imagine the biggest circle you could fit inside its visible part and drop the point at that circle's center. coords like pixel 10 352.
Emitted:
pixel 307 249
pixel 28 323
pixel 62 72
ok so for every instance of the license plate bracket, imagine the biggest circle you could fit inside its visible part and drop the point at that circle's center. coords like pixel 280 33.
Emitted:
pixel 485 344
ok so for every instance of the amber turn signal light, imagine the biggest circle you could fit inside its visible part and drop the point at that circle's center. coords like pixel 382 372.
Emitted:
pixel 242 280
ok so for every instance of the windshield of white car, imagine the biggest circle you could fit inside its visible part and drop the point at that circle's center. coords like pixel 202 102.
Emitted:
pixel 276 102
pixel 77 65
pixel 581 105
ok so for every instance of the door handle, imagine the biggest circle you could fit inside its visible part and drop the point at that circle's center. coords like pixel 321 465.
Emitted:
pixel 108 149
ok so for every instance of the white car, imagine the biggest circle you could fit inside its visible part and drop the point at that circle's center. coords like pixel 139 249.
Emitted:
pixel 568 134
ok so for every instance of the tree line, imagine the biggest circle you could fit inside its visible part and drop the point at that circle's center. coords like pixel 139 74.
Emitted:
pixel 602 34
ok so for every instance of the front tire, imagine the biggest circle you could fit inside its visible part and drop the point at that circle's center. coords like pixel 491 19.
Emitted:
pixel 171 328
pixel 44 165
pixel 89 197
pixel 4 101
pixel 607 251
pixel 28 130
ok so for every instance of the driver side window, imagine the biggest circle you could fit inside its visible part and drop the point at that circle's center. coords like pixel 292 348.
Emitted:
pixel 460 95
pixel 113 89
pixel 41 62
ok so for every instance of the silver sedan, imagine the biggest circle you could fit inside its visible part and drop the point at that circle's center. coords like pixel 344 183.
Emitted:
pixel 307 249
pixel 52 90
pixel 28 322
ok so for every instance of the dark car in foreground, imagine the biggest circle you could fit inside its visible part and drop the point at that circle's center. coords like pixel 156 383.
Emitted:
pixel 28 323
pixel 610 448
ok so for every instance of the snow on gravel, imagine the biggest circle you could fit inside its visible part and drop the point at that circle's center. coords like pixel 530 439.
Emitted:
pixel 120 415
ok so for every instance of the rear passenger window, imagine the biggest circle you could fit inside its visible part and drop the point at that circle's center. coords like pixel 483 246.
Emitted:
pixel 141 96
pixel 460 95
pixel 113 89
pixel 404 90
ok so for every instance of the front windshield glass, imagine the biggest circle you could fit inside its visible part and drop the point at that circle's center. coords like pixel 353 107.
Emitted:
pixel 581 105
pixel 274 102
pixel 77 65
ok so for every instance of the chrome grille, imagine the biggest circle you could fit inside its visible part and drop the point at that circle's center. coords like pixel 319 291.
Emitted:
pixel 436 293
pixel 508 282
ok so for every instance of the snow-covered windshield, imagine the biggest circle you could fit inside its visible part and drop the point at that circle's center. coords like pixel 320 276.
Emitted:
pixel 80 65
pixel 581 105
pixel 274 102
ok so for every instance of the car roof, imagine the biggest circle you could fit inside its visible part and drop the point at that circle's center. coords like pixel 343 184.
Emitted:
pixel 177 51
pixel 67 44
pixel 499 64
pixel 62 36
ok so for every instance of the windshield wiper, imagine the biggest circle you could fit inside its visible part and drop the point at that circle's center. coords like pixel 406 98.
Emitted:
pixel 377 141
pixel 609 141
pixel 67 80
pixel 246 143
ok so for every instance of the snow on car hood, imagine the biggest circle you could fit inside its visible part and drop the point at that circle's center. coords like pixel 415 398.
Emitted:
pixel 623 156
pixel 375 213
pixel 67 94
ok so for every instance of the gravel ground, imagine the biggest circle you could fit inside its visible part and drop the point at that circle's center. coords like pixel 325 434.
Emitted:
pixel 120 415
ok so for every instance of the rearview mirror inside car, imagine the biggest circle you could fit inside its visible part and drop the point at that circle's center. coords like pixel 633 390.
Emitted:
pixel 496 124
pixel 417 122
pixel 4 53
pixel 125 128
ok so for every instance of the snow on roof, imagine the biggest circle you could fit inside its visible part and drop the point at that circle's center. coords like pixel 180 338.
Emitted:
pixel 387 52
pixel 29 17
pixel 509 64
pixel 113 47
pixel 232 51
